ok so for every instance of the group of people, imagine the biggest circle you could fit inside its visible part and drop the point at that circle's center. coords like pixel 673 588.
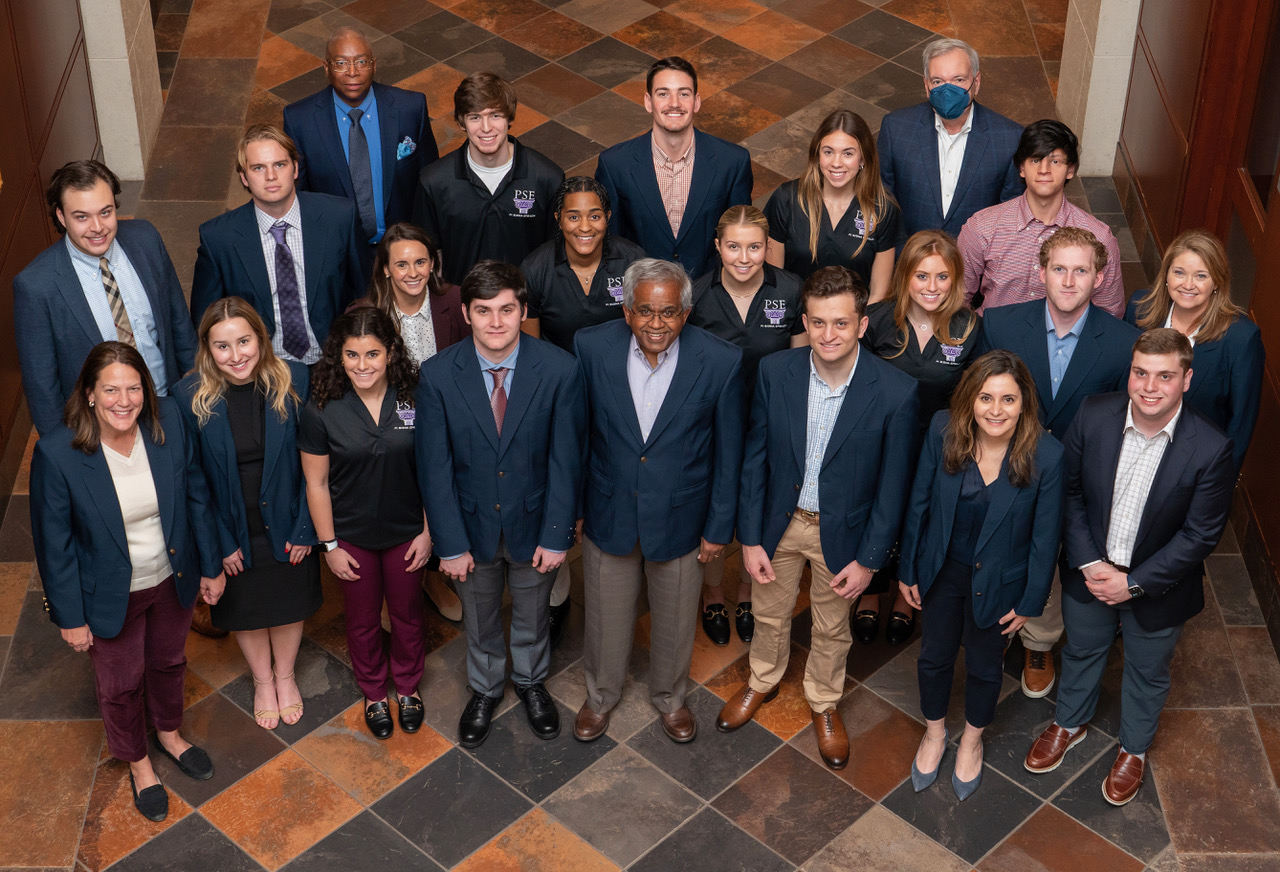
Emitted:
pixel 644 363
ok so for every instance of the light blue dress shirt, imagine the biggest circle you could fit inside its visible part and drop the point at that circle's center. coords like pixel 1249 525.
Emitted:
pixel 1061 348
pixel 372 133
pixel 824 407
pixel 649 384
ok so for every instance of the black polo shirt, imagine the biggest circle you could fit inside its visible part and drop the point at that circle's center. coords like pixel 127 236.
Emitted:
pixel 836 245
pixel 555 294
pixel 470 224
pixel 373 477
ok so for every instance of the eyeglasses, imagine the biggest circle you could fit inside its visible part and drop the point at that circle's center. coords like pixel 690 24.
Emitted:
pixel 342 64
pixel 670 313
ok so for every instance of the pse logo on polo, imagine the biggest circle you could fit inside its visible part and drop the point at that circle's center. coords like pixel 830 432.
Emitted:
pixel 860 225
pixel 775 311
pixel 614 286
pixel 524 201
pixel 951 352
pixel 407 414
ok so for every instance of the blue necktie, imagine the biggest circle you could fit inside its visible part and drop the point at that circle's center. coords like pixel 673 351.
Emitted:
pixel 293 322
pixel 361 174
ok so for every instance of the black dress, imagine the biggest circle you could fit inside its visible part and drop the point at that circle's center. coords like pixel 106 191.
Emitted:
pixel 268 593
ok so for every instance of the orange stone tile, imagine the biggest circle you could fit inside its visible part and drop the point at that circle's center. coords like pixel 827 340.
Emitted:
pixel 15 578
pixel 437 82
pixel 264 108
pixel 1049 39
pixel 365 767
pixel 884 739
pixel 994 27
pixel 280 810
pixel 217 661
pixel 662 34
pixel 281 61
pixel 499 16
pixel 332 636
pixel 1050 840
pixel 716 16
pixel 389 16
pixel 536 843
pixel 22 484
pixel 553 35
pixel 789 712
pixel 1268 719
pixel 773 35
pixel 634 90
pixel 730 117
pixel 112 826
pixel 194 689
pixel 721 63
pixel 225 28
pixel 448 135
pixel 932 15
pixel 527 118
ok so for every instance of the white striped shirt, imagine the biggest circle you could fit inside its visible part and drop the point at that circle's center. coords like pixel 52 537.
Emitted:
pixel 1139 459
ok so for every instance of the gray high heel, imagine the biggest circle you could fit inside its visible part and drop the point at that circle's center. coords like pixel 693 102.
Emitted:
pixel 921 780
pixel 965 789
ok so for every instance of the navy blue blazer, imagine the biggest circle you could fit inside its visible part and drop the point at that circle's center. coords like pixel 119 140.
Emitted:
pixel 721 178
pixel 230 262
pixel 862 485
pixel 1099 365
pixel 680 484
pixel 1226 378
pixel 322 165
pixel 1017 545
pixel 1182 521
pixel 283 494
pixel 80 542
pixel 522 486
pixel 56 330
pixel 908 149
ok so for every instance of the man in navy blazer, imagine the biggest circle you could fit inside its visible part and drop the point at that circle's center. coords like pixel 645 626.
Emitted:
pixel 294 256
pixel 825 478
pixel 948 157
pixel 1149 483
pixel 664 454
pixel 393 123
pixel 500 470
pixel 669 187
pixel 62 306
pixel 1074 349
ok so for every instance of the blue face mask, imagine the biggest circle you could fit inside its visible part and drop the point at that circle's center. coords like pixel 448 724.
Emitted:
pixel 949 100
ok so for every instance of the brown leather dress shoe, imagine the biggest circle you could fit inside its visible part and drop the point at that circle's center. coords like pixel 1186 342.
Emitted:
pixel 680 726
pixel 202 621
pixel 1124 779
pixel 742 708
pixel 1050 747
pixel 1037 674
pixel 589 725
pixel 833 740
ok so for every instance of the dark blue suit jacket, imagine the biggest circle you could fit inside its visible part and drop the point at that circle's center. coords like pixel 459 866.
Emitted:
pixel 1099 365
pixel 862 486
pixel 56 330
pixel 522 486
pixel 1017 546
pixel 908 149
pixel 230 262
pixel 1184 516
pixel 80 541
pixel 680 484
pixel 283 494
pixel 1226 378
pixel 721 178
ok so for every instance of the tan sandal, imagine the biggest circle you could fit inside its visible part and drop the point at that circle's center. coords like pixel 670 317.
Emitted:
pixel 266 714
pixel 294 710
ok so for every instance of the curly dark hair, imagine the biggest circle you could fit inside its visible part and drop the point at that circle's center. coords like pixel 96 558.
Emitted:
pixel 330 381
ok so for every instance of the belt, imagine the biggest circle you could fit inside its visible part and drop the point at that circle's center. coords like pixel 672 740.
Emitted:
pixel 1126 570
pixel 806 515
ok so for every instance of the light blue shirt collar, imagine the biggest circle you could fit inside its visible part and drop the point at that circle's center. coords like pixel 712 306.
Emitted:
pixel 1076 328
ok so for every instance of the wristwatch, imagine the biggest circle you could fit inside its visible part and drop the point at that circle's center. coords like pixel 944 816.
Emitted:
pixel 1135 591
pixel 330 545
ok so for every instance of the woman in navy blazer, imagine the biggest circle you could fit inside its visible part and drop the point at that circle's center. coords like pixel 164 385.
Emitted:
pixel 118 511
pixel 240 406
pixel 1192 294
pixel 979 545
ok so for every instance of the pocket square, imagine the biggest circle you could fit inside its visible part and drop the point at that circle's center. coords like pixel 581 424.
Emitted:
pixel 406 148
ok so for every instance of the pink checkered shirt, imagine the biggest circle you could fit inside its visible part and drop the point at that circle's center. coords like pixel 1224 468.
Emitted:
pixel 673 182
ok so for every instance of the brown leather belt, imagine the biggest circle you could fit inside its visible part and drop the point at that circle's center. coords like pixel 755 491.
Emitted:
pixel 806 515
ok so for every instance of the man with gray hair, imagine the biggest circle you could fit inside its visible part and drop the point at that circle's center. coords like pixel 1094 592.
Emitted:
pixel 665 452
pixel 948 157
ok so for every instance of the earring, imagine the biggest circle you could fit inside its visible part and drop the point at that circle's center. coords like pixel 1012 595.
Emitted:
pixel 91 404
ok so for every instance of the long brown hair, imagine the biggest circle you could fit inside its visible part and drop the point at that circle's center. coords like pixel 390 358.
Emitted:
pixel 381 292
pixel 960 438
pixel 924 244
pixel 271 375
pixel 868 189
pixel 330 381
pixel 80 417
pixel 1221 312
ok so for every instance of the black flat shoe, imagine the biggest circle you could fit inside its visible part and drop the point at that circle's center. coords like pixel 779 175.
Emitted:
pixel 473 726
pixel 194 762
pixel 152 803
pixel 899 627
pixel 715 623
pixel 410 712
pixel 745 621
pixel 378 716
pixel 544 719
pixel 559 620
pixel 866 623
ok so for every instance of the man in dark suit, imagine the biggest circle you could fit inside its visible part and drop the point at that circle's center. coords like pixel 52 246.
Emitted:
pixel 825 478
pixel 1149 482
pixel 665 451
pixel 1074 350
pixel 948 157
pixel 107 279
pixel 360 139
pixel 294 256
pixel 507 427
pixel 669 187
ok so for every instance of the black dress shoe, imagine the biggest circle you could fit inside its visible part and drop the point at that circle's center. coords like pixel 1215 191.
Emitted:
pixel 194 762
pixel 473 726
pixel 152 802
pixel 899 628
pixel 544 719
pixel 378 716
pixel 715 622
pixel 559 620
pixel 410 713
pixel 866 623
pixel 745 621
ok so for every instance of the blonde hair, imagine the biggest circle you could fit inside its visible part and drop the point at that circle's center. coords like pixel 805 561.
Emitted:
pixel 868 188
pixel 271 375
pixel 924 244
pixel 1221 312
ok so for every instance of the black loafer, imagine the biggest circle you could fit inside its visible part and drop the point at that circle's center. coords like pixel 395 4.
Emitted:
pixel 410 713
pixel 745 621
pixel 559 620
pixel 378 716
pixel 715 622
pixel 899 627
pixel 194 762
pixel 544 719
pixel 866 624
pixel 152 803
pixel 473 726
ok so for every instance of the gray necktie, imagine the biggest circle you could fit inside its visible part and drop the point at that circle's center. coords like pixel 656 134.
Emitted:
pixel 361 174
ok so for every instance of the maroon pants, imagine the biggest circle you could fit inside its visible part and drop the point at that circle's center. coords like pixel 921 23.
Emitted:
pixel 147 654
pixel 383 576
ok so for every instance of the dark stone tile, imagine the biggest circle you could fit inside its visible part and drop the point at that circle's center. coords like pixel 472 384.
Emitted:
pixel 730 117
pixel 1138 827
pixel 451 808
pixel 364 842
pixel 15 531
pixel 287 14
pixel 883 34
pixel 192 843
pixel 443 35
pixel 1267 718
pixel 398 61
pixel 167 62
pixel 1226 863
pixel 607 118
pixel 687 848
pixel 1019 721
pixel 1102 193
pixel 833 60
pixel 179 220
pixel 823 14
pixel 327 686
pixel 720 62
pixel 5 641
pixel 499 56
pixel 313 34
pixel 301 86
pixel 608 62
pixel 1204 672
pixel 553 89
pixel 888 86
pixel 779 89
pixel 209 92
pixel 1017 88
pixel 1135 278
pixel 1233 588
pixel 564 146
pixel 662 34
pixel 1257 664
pixel 192 163
pixel 766 180
pixel 553 35
pixel 38 661
pixel 387 15
pixel 499 16
pixel 179 7
pixel 1228 544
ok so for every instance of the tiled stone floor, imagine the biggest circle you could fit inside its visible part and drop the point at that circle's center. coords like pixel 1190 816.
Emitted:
pixel 323 795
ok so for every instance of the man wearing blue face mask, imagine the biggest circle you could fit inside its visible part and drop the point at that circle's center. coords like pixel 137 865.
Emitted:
pixel 948 157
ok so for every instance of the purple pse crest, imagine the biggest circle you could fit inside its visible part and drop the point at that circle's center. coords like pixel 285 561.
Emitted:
pixel 860 223
pixel 524 204
pixel 952 352
pixel 407 416
pixel 775 316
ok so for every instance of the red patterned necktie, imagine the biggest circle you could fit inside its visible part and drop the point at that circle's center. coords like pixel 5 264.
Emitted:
pixel 498 399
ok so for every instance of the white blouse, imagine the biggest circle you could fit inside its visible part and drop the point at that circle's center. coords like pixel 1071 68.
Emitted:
pixel 136 491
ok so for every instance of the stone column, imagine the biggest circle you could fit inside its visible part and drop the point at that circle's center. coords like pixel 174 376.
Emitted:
pixel 121 46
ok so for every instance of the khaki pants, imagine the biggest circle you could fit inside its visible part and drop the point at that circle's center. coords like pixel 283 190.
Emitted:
pixel 1042 633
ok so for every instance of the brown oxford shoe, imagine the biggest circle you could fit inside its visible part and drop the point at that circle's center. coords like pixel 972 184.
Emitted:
pixel 202 621
pixel 1038 675
pixel 742 708
pixel 589 725
pixel 680 726
pixel 1124 779
pixel 833 740
pixel 1050 747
